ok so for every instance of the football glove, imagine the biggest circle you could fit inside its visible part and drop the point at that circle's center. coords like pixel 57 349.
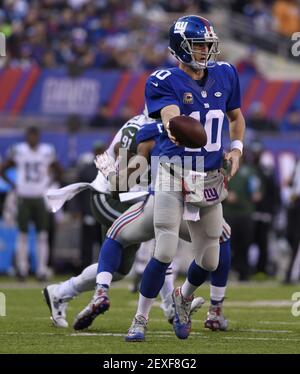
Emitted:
pixel 106 164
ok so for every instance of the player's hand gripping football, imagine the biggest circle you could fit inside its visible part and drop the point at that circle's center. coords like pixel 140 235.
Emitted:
pixel 171 137
pixel 106 164
pixel 233 157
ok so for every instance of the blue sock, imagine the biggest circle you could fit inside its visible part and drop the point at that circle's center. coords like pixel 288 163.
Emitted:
pixel 110 256
pixel 106 286
pixel 216 302
pixel 196 275
pixel 153 278
pixel 219 277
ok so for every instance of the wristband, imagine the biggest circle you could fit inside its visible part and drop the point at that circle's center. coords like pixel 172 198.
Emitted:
pixel 237 144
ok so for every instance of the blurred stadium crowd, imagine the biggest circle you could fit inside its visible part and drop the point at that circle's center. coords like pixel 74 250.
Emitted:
pixel 123 34
pixel 103 34
pixel 263 204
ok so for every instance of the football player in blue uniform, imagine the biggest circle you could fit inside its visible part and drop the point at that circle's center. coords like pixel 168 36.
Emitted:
pixel 208 91
pixel 132 227
pixel 117 256
pixel 135 226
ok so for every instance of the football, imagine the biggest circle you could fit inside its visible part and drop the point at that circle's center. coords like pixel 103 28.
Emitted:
pixel 188 131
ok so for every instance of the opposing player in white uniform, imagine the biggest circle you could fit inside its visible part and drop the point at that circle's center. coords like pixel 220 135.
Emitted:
pixel 35 162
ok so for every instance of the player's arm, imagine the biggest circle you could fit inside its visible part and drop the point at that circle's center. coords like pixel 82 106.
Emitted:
pixel 124 149
pixel 116 149
pixel 137 163
pixel 5 166
pixel 167 113
pixel 122 155
pixel 140 162
pixel 117 152
pixel 236 131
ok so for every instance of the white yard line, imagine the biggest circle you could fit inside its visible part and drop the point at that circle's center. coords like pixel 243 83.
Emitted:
pixel 245 330
pixel 164 334
pixel 241 304
pixel 259 303
pixel 149 333
pixel 29 333
pixel 170 334
pixel 278 323
pixel 264 331
pixel 96 334
pixel 246 338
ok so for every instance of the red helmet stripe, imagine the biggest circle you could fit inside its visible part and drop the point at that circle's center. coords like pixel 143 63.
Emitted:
pixel 206 23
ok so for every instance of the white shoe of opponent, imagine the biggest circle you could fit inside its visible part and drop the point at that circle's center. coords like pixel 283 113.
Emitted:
pixel 57 306
pixel 169 310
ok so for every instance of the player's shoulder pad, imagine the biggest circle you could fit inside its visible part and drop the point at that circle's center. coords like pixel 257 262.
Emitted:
pixel 148 132
pixel 128 133
pixel 14 149
pixel 19 147
pixel 226 68
pixel 225 73
pixel 47 148
pixel 136 122
pixel 130 130
pixel 160 79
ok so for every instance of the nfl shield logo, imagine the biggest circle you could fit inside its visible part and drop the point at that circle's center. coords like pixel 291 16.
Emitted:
pixel 204 94
pixel 188 98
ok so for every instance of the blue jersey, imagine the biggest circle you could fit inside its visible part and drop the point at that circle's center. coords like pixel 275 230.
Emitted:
pixel 151 131
pixel 206 100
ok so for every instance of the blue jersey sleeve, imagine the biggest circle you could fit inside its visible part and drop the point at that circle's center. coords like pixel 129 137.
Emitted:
pixel 148 132
pixel 159 93
pixel 234 99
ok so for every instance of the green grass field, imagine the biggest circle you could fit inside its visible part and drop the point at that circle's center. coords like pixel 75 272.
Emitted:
pixel 259 315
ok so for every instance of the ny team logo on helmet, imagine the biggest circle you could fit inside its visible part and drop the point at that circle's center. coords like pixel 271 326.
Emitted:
pixel 188 32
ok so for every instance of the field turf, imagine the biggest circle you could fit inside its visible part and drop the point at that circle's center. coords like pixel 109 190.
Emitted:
pixel 260 321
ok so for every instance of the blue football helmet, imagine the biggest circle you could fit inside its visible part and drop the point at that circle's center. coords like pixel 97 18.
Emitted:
pixel 188 35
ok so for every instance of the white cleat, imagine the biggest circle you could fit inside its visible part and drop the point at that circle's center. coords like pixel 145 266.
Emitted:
pixel 57 306
pixel 169 310
pixel 196 305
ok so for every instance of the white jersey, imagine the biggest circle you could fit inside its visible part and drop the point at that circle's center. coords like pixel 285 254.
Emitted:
pixel 296 180
pixel 102 182
pixel 33 177
pixel 126 137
